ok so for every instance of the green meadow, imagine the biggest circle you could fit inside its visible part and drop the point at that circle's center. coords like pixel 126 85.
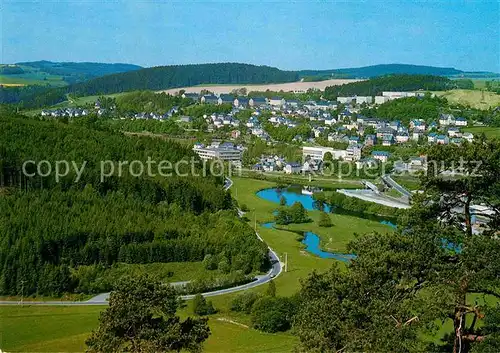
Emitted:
pixel 489 131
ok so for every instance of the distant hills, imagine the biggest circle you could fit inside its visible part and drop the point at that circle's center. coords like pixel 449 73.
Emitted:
pixel 92 78
pixel 60 73
pixel 174 76
pixel 381 70
pixel 85 79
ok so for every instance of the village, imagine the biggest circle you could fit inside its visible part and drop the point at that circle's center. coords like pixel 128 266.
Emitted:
pixel 347 127
pixel 335 129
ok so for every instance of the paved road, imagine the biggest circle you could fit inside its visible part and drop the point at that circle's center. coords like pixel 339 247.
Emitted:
pixel 387 178
pixel 369 195
pixel 102 299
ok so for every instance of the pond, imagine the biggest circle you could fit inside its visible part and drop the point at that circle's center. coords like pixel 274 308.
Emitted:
pixel 311 240
pixel 291 196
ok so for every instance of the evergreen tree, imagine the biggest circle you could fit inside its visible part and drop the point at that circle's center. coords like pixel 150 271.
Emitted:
pixel 298 213
pixel 324 220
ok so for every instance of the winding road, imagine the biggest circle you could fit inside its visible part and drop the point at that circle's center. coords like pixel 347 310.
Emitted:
pixel 102 299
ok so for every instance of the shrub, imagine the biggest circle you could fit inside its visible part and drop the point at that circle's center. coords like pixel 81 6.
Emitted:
pixel 244 302
pixel 224 265
pixel 243 263
pixel 201 306
pixel 210 262
pixel 273 314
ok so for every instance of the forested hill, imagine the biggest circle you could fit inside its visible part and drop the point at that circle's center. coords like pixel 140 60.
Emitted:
pixel 64 236
pixel 375 86
pixel 382 70
pixel 164 77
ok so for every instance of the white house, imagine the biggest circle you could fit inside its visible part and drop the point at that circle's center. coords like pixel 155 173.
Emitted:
pixel 364 99
pixel 382 156
pixel 292 168
pixel 402 138
pixel 468 136
pixel 460 121
pixel 417 125
pixel 442 140
pixel 330 121
pixel 432 137
pixel 381 99
pixel 353 153
pixel 417 135
pixel 277 101
pixel 257 101
pixel 454 132
pixel 446 119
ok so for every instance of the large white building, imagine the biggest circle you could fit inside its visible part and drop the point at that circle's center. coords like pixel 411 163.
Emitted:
pixel 381 99
pixel 396 95
pixel 345 100
pixel 353 153
pixel 364 99
pixel 225 152
pixel 319 152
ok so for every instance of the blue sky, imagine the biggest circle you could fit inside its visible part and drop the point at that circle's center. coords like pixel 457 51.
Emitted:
pixel 285 34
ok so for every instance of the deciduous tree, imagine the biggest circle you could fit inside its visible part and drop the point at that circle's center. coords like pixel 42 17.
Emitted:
pixel 141 318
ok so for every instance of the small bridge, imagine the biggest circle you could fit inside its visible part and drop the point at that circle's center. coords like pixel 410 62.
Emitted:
pixel 390 182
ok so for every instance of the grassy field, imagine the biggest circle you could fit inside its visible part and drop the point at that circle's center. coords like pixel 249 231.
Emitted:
pixel 336 238
pixel 473 98
pixel 46 329
pixel 32 78
pixel 169 272
pixel 300 262
pixel 321 181
pixel 409 182
pixel 491 132
pixel 64 329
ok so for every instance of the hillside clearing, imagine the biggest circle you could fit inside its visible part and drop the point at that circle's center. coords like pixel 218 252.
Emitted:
pixel 285 87
pixel 474 98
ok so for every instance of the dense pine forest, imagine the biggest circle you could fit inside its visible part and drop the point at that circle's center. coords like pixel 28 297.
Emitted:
pixel 34 96
pixel 49 229
pixel 164 77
